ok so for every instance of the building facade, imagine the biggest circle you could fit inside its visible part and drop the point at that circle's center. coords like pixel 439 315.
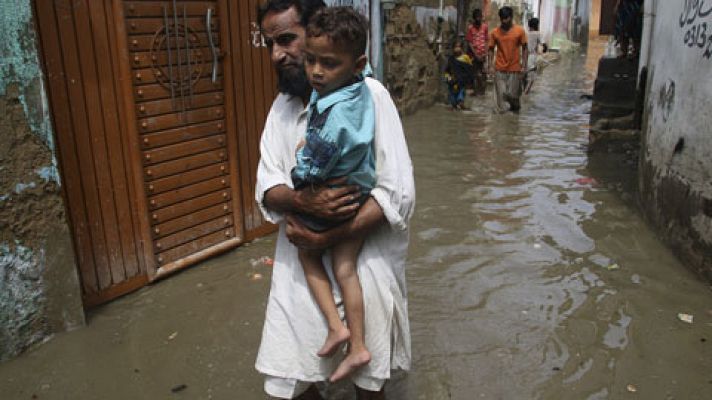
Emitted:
pixel 675 163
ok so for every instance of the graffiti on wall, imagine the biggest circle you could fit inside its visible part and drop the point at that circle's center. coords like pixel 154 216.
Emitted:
pixel 698 32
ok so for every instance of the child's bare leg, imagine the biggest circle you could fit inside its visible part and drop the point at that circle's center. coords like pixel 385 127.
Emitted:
pixel 344 256
pixel 320 287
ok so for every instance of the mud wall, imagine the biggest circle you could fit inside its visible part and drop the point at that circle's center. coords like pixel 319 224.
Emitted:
pixel 675 165
pixel 411 65
pixel 39 290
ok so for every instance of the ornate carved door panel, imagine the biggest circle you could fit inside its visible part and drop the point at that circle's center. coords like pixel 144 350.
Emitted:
pixel 187 139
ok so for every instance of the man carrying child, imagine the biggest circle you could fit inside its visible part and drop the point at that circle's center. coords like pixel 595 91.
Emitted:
pixel 294 351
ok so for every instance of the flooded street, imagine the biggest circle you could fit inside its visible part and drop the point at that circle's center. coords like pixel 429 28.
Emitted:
pixel 531 273
pixel 531 276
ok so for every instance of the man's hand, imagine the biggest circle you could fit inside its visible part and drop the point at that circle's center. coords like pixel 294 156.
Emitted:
pixel 335 204
pixel 304 238
pixel 368 218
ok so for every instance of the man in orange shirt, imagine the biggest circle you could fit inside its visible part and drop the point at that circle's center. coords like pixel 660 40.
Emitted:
pixel 512 57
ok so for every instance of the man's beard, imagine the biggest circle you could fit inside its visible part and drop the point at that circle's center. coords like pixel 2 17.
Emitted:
pixel 293 81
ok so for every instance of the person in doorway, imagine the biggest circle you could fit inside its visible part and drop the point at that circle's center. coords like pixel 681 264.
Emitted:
pixel 477 39
pixel 510 42
pixel 294 327
pixel 629 26
pixel 339 142
pixel 458 75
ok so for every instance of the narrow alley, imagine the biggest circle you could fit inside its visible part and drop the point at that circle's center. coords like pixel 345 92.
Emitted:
pixel 531 275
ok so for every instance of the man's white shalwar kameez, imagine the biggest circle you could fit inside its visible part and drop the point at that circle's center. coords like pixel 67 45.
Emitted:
pixel 295 328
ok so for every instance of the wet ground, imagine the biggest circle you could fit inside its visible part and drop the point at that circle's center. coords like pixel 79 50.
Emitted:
pixel 531 276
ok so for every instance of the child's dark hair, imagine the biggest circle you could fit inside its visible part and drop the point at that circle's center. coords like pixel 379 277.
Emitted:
pixel 476 13
pixel 343 25
pixel 534 24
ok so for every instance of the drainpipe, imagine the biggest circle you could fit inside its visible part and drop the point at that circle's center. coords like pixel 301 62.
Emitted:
pixel 651 17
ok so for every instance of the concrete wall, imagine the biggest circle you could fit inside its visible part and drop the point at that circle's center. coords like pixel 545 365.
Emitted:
pixel 676 166
pixel 39 290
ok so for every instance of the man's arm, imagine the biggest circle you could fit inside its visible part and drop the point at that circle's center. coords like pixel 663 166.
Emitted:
pixel 369 217
pixel 490 59
pixel 525 57
pixel 320 201
pixel 490 53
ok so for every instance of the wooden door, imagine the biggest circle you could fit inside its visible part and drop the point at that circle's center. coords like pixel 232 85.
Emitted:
pixel 80 61
pixel 188 151
pixel 158 107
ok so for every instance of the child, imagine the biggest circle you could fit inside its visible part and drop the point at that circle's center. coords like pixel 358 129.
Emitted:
pixel 458 74
pixel 536 47
pixel 339 142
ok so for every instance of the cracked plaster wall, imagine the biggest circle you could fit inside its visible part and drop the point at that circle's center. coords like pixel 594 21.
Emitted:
pixel 411 65
pixel 39 289
pixel 675 164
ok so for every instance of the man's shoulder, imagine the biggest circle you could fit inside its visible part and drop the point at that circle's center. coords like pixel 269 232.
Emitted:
pixel 375 87
pixel 285 104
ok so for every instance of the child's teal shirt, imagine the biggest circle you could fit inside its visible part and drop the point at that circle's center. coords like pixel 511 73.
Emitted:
pixel 339 139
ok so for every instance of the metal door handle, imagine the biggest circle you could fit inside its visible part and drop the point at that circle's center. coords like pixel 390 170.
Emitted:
pixel 213 50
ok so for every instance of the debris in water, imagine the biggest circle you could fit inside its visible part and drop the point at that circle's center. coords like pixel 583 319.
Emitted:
pixel 685 317
pixel 255 277
pixel 264 260
pixel 613 267
pixel 172 335
pixel 537 246
pixel 587 180
pixel 632 388
pixel 635 279
pixel 179 388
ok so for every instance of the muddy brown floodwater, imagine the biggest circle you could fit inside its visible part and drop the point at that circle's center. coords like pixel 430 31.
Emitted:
pixel 531 276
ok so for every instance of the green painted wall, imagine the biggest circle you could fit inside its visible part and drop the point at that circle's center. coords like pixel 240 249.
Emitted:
pixel 39 290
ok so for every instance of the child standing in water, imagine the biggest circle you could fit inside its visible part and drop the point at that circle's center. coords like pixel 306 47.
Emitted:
pixel 338 143
pixel 459 73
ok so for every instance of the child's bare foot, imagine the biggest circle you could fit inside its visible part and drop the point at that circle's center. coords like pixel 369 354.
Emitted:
pixel 351 363
pixel 334 339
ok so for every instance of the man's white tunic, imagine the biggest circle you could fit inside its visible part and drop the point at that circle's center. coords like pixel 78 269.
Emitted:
pixel 295 328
